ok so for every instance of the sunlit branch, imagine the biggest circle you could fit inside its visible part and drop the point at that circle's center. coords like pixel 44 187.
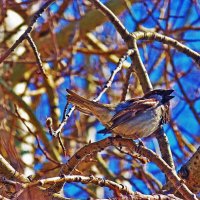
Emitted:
pixel 82 179
pixel 36 53
pixel 9 172
pixel 120 142
pixel 140 35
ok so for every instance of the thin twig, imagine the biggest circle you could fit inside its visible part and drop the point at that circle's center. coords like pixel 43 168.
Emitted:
pixel 111 78
pixel 37 54
pixel 36 137
pixel 27 31
pixel 117 23
pixel 66 115
pixel 126 84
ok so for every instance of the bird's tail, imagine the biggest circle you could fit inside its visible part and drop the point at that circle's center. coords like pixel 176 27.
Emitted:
pixel 88 107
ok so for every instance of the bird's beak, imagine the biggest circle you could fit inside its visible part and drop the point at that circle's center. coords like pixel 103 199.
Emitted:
pixel 167 95
pixel 168 92
pixel 167 98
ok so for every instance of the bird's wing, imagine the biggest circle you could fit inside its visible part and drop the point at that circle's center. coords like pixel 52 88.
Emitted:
pixel 131 111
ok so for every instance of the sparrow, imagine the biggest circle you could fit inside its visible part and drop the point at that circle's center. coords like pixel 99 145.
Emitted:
pixel 134 118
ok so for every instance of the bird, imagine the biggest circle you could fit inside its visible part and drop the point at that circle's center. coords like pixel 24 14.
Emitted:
pixel 135 118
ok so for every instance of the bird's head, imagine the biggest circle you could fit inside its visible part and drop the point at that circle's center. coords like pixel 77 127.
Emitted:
pixel 159 94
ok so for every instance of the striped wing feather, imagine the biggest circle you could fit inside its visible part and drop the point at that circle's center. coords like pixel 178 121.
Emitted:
pixel 133 110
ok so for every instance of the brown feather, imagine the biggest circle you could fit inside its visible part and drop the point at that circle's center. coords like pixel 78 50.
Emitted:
pixel 101 111
pixel 135 109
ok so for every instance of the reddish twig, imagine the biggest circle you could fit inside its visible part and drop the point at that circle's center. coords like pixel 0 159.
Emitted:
pixel 36 137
